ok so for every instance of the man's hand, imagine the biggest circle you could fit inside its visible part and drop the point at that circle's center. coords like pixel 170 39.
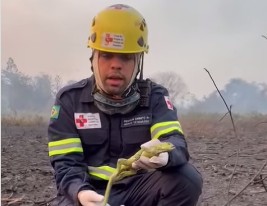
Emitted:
pixel 90 198
pixel 153 162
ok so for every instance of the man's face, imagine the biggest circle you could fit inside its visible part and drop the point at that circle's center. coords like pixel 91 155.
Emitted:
pixel 115 70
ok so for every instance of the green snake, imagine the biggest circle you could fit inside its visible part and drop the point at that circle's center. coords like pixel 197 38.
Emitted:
pixel 124 166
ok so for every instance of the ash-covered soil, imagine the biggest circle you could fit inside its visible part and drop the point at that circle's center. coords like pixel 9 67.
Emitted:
pixel 27 177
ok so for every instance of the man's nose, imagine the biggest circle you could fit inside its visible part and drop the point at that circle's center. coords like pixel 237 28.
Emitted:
pixel 116 62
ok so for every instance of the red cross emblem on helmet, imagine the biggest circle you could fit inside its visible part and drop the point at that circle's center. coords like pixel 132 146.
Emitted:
pixel 108 39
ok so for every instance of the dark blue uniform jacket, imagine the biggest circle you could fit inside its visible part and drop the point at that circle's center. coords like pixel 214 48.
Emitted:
pixel 85 143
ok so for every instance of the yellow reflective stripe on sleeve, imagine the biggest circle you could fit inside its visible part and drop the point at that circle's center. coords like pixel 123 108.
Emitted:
pixel 165 127
pixel 64 141
pixel 102 172
pixel 65 151
pixel 65 146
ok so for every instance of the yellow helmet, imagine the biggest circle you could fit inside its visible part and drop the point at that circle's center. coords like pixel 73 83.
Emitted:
pixel 119 29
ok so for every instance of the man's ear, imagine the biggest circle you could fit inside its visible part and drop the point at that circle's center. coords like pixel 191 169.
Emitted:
pixel 91 60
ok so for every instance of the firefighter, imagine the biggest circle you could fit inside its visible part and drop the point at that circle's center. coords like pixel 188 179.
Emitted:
pixel 111 115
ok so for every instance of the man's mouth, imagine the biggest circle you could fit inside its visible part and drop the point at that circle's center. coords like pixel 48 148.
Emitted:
pixel 114 80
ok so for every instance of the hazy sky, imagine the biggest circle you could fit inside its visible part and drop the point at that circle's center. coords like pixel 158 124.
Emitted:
pixel 224 36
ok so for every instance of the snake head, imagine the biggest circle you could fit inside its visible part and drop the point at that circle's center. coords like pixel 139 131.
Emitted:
pixel 165 147
pixel 155 150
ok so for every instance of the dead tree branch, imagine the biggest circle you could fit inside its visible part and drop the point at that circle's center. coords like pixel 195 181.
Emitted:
pixel 235 132
pixel 224 115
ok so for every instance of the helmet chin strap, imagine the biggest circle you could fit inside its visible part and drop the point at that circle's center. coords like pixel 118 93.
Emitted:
pixel 99 83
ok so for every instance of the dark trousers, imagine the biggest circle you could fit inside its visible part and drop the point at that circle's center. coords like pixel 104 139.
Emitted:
pixel 178 187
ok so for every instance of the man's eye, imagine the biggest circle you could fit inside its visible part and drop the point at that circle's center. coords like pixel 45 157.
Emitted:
pixel 127 57
pixel 106 55
pixel 123 57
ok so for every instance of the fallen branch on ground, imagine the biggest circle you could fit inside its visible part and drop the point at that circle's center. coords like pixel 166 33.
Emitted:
pixel 257 174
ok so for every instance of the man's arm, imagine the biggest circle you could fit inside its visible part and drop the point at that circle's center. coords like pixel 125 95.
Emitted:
pixel 167 128
pixel 65 150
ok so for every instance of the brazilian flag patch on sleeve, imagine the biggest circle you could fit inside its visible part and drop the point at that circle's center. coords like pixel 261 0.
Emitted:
pixel 55 112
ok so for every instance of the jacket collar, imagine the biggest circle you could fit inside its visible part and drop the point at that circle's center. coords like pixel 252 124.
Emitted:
pixel 86 95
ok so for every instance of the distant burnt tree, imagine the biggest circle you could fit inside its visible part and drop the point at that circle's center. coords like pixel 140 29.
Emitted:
pixel 243 96
pixel 177 88
pixel 22 93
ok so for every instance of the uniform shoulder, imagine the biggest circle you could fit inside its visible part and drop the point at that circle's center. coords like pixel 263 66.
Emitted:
pixel 75 86
pixel 157 88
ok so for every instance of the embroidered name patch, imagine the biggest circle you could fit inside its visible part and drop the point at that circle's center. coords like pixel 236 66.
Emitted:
pixel 87 120
pixel 144 119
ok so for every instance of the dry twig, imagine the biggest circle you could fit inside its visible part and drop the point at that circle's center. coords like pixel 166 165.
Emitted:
pixel 262 181
pixel 235 132
pixel 260 123
pixel 12 201
pixel 258 173
pixel 47 202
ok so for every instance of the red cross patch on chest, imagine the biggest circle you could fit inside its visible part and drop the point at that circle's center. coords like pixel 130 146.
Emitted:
pixel 87 120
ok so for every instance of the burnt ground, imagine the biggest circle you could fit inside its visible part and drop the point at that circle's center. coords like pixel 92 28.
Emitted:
pixel 27 178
